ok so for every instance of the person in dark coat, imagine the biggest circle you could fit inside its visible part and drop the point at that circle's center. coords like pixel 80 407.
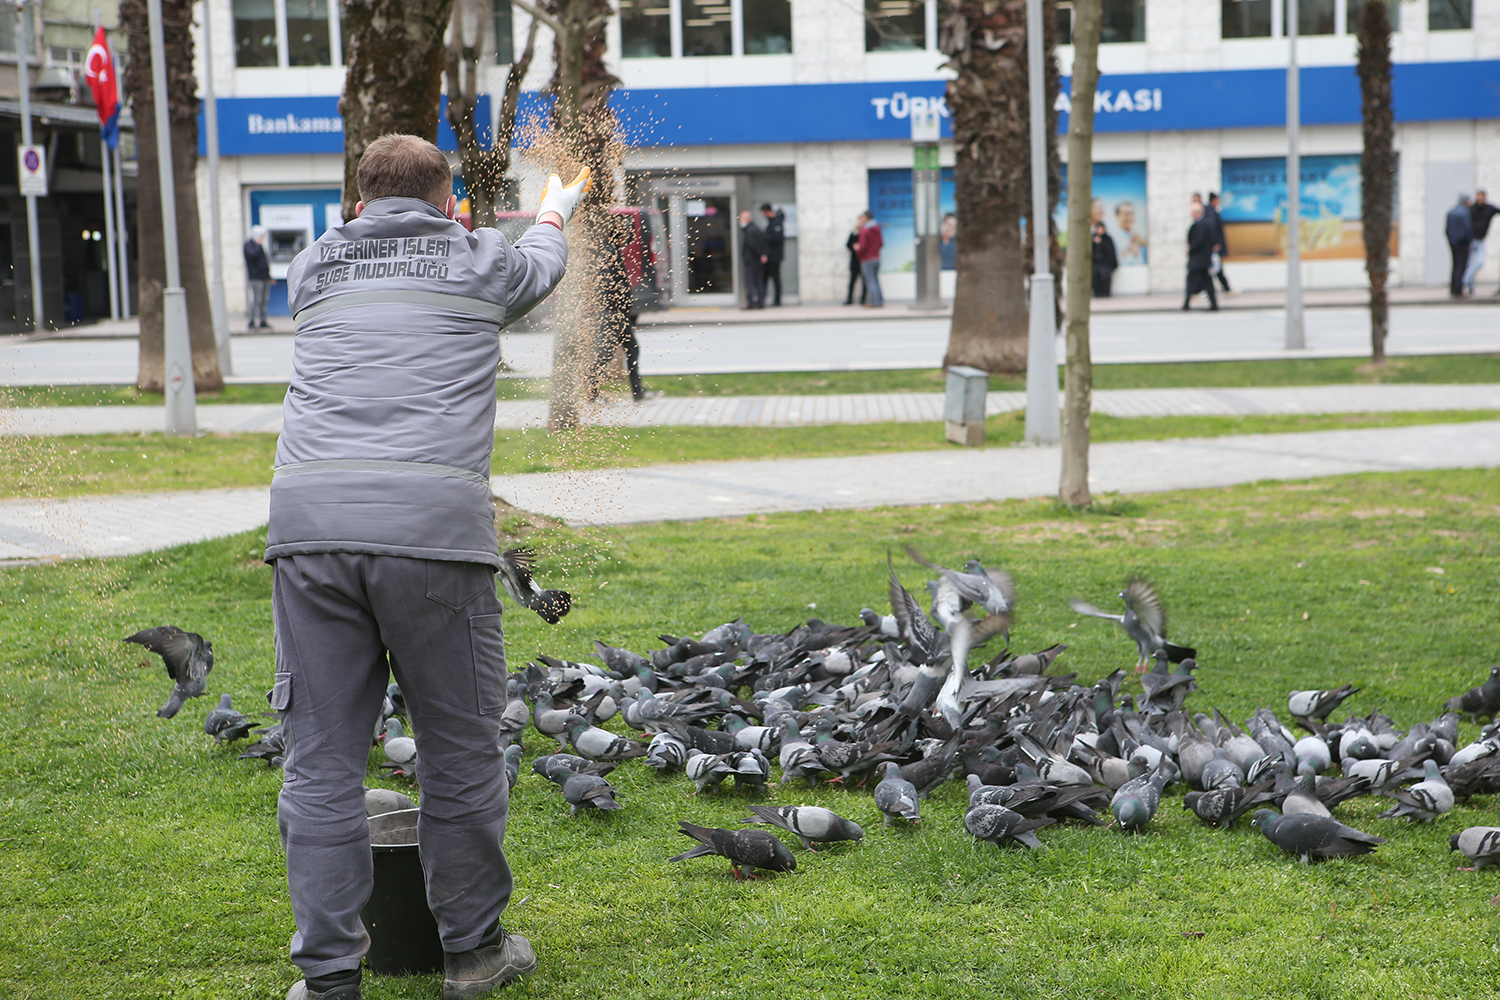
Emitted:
pixel 1200 241
pixel 1221 245
pixel 1480 214
pixel 619 319
pixel 1105 261
pixel 1460 232
pixel 258 274
pixel 775 248
pixel 753 255
pixel 855 275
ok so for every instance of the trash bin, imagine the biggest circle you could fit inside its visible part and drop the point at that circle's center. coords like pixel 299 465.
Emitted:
pixel 963 405
pixel 403 933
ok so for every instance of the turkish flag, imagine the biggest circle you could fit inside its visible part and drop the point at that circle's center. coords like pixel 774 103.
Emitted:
pixel 99 72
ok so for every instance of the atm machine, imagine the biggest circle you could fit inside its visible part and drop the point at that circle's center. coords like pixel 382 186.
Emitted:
pixel 293 218
pixel 289 231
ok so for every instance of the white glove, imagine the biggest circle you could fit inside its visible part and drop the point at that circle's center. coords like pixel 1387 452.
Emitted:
pixel 563 200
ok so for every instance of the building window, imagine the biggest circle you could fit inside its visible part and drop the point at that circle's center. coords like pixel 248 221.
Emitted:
pixel 1259 19
pixel 307 33
pixel 706 28
pixel 1123 21
pixel 768 27
pixel 895 25
pixel 255 33
pixel 505 37
pixel 1450 15
pixel 1314 17
pixel 1246 18
pixel 1356 10
pixel 645 29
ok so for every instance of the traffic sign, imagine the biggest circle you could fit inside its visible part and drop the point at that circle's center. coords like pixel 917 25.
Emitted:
pixel 33 160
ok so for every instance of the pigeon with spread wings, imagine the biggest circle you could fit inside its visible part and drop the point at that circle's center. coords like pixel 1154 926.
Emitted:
pixel 1144 620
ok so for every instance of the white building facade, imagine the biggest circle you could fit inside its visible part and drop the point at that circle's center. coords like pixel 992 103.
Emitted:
pixel 805 105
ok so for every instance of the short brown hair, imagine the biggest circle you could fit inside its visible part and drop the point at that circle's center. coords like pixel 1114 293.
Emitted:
pixel 404 166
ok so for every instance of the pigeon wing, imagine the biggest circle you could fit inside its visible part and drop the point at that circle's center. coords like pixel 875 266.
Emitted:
pixel 918 632
pixel 1085 608
pixel 1142 598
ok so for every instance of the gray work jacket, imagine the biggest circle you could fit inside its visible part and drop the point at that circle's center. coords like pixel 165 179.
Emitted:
pixel 390 419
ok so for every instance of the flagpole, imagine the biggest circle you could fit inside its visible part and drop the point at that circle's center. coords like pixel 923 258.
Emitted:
pixel 122 232
pixel 109 232
pixel 215 257
pixel 33 244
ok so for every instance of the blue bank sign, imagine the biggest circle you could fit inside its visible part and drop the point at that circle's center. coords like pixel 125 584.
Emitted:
pixel 854 112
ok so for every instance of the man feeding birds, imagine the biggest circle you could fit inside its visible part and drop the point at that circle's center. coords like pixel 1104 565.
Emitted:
pixel 382 539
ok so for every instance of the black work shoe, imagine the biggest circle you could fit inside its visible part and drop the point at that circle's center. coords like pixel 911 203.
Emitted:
pixel 483 970
pixel 345 991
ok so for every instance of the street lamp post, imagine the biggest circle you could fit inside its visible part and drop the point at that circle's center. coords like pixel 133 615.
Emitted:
pixel 926 189
pixel 215 257
pixel 33 242
pixel 1043 423
pixel 1296 334
pixel 177 349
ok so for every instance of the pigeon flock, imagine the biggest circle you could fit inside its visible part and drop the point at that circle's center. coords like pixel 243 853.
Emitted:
pixel 892 705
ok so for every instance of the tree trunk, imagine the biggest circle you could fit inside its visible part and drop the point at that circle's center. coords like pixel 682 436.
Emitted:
pixel 1073 489
pixel 1378 163
pixel 151 267
pixel 484 170
pixel 394 53
pixel 985 41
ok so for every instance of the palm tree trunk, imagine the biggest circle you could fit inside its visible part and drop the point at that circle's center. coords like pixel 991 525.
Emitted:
pixel 1378 164
pixel 986 46
pixel 151 267
pixel 1073 489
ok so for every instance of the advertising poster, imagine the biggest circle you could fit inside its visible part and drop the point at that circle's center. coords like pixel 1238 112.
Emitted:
pixel 1120 203
pixel 891 201
pixel 1255 204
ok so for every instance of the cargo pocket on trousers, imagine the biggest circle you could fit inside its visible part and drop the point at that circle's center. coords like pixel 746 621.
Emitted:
pixel 488 646
pixel 280 695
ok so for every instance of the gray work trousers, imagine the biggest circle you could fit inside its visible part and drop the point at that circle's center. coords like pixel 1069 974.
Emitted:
pixel 338 617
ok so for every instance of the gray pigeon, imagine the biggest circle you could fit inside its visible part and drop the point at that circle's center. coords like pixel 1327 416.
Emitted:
pixel 225 724
pixel 188 659
pixel 1314 838
pixel 1304 799
pixel 1483 700
pixel 379 801
pixel 1144 620
pixel 666 752
pixel 1135 803
pixel 707 769
pixel 601 744
pixel 746 850
pixel 1221 772
pixel 515 574
pixel 997 824
pixel 814 824
pixel 1480 844
pixel 896 797
pixel 512 765
pixel 1425 801
pixel 1317 704
pixel 1222 806
pixel 589 790
pixel 399 748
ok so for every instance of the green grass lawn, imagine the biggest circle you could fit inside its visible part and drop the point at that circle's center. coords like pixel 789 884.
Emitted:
pixel 1442 369
pixel 81 465
pixel 141 861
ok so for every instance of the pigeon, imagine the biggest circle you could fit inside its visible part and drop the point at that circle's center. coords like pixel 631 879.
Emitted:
pixel 1144 620
pixel 798 757
pixel 997 824
pixel 188 659
pixel 1135 803
pixel 1483 700
pixel 746 850
pixel 379 801
pixel 1480 844
pixel 666 752
pixel 1222 806
pixel 707 769
pixel 512 765
pixel 884 625
pixel 1221 772
pixel 400 749
pixel 750 768
pixel 1425 801
pixel 589 790
pixel 991 589
pixel 515 575
pixel 1304 799
pixel 225 724
pixel 559 767
pixel 1317 704
pixel 549 719
pixel 269 746
pixel 814 824
pixel 1314 838
pixel 601 744
pixel 896 797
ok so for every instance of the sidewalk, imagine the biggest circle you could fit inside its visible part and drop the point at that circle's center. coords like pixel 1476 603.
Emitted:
pixel 803 411
pixel 49 530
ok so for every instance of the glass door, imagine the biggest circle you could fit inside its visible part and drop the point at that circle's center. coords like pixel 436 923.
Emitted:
pixel 710 245
pixel 699 217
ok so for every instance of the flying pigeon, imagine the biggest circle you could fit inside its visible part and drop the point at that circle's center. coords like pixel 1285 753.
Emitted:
pixel 1423 802
pixel 1314 838
pixel 515 574
pixel 991 589
pixel 997 824
pixel 814 824
pixel 896 797
pixel 225 724
pixel 746 850
pixel 1144 620
pixel 1480 844
pixel 188 658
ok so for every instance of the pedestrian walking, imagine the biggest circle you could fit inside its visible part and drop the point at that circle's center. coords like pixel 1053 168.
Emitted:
pixel 383 554
pixel 868 250
pixel 619 316
pixel 1105 261
pixel 753 256
pixel 258 274
pixel 1459 229
pixel 1200 249
pixel 775 247
pixel 855 275
pixel 1480 214
pixel 1221 245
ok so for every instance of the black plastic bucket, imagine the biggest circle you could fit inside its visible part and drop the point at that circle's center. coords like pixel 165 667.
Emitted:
pixel 403 933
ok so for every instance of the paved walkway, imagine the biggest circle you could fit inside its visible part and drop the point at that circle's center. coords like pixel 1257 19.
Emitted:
pixel 710 342
pixel 793 411
pixel 104 526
